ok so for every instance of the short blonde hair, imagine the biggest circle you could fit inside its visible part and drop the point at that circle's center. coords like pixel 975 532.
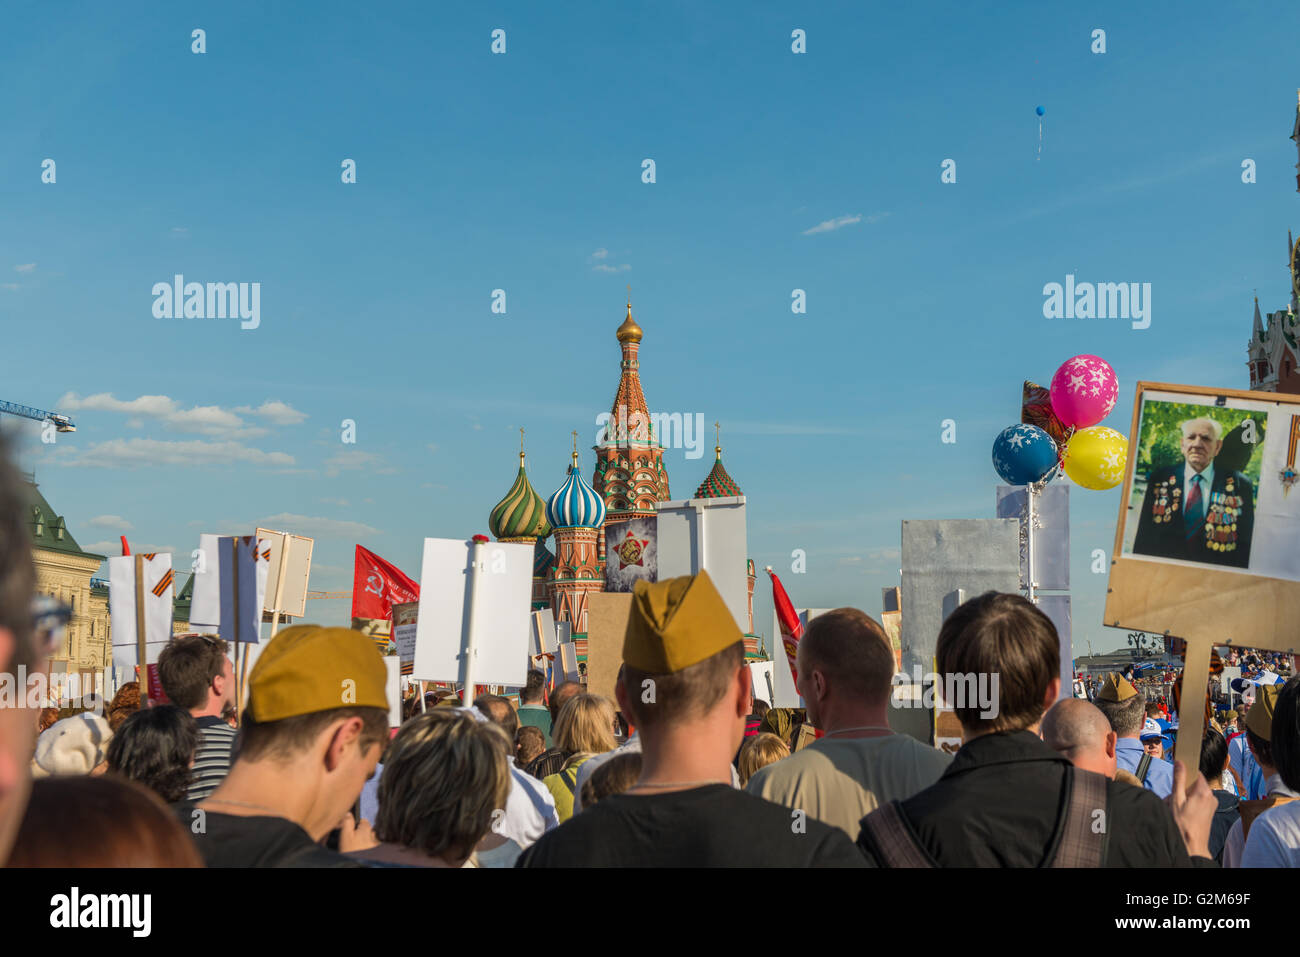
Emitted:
pixel 585 723
pixel 445 773
pixel 758 752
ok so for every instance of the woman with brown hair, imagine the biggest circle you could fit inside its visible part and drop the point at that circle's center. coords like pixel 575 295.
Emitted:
pixel 100 821
pixel 585 727
pixel 445 775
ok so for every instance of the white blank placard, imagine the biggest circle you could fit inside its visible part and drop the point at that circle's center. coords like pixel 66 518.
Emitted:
pixel 504 606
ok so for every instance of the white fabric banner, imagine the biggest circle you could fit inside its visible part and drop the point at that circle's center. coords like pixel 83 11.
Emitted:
pixel 159 588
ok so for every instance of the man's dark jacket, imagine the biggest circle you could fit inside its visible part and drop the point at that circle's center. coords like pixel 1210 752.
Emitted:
pixel 998 803
pixel 1229 526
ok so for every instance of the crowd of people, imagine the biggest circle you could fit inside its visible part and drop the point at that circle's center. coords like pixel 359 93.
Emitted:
pixel 683 767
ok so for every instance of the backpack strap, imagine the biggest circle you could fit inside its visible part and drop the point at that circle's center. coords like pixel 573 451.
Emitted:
pixel 570 778
pixel 1080 843
pixel 895 843
pixel 1143 768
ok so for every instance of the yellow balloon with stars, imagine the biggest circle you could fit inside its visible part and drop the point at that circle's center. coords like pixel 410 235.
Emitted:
pixel 1095 457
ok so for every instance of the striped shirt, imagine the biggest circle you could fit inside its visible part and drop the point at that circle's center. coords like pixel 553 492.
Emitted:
pixel 212 756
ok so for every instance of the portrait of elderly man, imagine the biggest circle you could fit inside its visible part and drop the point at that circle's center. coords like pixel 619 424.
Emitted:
pixel 1194 511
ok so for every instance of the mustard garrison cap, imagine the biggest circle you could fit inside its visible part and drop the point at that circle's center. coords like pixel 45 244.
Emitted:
pixel 677 623
pixel 1116 688
pixel 1260 716
pixel 309 668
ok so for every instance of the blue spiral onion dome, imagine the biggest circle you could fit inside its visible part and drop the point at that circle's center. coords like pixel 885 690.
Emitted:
pixel 1024 454
pixel 576 504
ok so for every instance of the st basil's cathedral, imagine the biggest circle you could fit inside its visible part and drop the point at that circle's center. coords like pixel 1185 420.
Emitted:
pixel 628 482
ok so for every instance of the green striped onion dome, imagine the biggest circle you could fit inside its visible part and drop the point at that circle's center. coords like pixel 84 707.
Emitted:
pixel 522 513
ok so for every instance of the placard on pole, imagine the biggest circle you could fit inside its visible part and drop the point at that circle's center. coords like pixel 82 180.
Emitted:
pixel 1240 586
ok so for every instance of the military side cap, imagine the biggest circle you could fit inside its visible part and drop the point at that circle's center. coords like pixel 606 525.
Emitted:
pixel 677 623
pixel 1260 716
pixel 309 668
pixel 1116 688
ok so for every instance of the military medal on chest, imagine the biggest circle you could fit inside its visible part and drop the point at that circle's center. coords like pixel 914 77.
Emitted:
pixel 1288 476
pixel 1165 504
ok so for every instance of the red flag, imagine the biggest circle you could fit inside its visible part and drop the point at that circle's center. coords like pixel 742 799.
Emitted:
pixel 126 549
pixel 377 585
pixel 791 627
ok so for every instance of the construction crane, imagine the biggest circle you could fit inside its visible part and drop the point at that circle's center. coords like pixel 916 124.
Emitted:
pixel 61 422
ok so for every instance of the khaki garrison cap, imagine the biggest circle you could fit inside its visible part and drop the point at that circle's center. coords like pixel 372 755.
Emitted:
pixel 1116 688
pixel 1260 716
pixel 677 623
pixel 309 668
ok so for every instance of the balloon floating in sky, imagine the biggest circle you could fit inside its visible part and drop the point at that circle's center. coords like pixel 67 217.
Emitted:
pixel 1084 391
pixel 1040 111
pixel 1095 457
pixel 1023 454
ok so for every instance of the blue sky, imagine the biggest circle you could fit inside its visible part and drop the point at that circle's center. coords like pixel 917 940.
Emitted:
pixel 522 172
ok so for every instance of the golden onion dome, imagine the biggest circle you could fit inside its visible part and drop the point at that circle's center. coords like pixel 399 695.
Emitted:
pixel 629 331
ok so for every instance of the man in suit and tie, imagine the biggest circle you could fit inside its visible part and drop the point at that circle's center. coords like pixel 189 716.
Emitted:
pixel 1193 511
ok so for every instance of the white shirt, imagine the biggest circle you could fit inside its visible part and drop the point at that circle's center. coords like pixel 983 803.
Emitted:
pixel 1236 842
pixel 530 810
pixel 1274 838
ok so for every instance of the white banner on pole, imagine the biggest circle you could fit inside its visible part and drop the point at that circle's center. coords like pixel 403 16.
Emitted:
pixel 505 584
pixel 159 588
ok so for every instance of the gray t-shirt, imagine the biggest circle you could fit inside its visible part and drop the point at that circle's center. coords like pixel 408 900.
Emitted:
pixel 840 780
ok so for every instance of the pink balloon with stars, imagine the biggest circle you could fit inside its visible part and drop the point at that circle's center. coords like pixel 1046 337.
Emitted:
pixel 1084 391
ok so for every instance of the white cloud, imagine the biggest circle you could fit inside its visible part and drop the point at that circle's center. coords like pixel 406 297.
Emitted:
pixel 145 453
pixel 831 225
pixel 340 502
pixel 605 267
pixel 275 412
pixel 9 285
pixel 179 232
pixel 204 419
pixel 110 521
pixel 316 527
pixel 601 253
pixel 26 267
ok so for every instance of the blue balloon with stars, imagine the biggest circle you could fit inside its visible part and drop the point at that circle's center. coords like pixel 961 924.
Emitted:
pixel 1024 454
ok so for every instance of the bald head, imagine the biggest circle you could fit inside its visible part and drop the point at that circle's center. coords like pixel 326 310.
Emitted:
pixel 1077 730
pixel 560 697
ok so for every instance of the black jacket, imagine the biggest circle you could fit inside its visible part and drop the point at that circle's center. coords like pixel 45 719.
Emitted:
pixel 1223 538
pixel 998 804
